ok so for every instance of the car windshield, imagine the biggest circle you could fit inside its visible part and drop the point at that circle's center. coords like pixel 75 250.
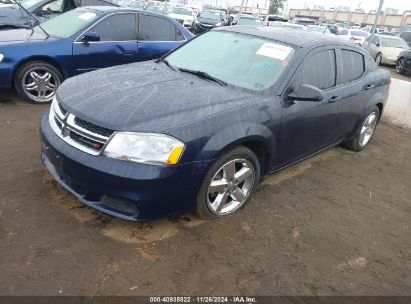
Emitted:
pixel 360 33
pixel 29 3
pixel 210 15
pixel 395 43
pixel 67 24
pixel 257 65
pixel 249 21
pixel 182 11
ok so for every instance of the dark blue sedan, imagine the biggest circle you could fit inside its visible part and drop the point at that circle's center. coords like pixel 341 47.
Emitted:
pixel 199 129
pixel 36 61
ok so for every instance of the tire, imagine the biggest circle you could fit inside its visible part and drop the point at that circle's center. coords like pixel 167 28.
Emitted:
pixel 378 59
pixel 233 191
pixel 365 132
pixel 399 67
pixel 37 82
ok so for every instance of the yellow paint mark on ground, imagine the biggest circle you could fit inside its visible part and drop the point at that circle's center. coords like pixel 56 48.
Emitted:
pixel 297 169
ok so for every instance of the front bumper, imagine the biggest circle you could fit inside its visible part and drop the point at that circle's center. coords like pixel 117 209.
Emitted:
pixel 124 189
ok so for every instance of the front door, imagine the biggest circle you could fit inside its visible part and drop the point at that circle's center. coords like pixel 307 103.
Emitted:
pixel 308 127
pixel 117 45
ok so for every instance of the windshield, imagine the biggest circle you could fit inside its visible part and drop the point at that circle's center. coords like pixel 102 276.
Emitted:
pixel 182 11
pixel 249 21
pixel 210 15
pixel 29 3
pixel 155 8
pixel 395 43
pixel 67 24
pixel 257 65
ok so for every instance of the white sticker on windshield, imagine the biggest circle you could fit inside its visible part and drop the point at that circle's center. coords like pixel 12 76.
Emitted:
pixel 273 50
pixel 87 16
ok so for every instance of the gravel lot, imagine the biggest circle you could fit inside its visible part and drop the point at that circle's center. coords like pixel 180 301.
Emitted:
pixel 335 224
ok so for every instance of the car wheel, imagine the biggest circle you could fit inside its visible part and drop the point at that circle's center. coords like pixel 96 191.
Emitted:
pixel 400 65
pixel 365 131
pixel 378 59
pixel 37 82
pixel 228 184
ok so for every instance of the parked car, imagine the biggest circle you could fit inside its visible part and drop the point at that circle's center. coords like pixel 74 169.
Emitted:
pixel 137 4
pixel 272 18
pixel 183 15
pixel 295 26
pixel 356 26
pixel 403 65
pixel 406 36
pixel 12 16
pixel 207 20
pixel 190 132
pixel 385 49
pixel 369 29
pixel 35 62
pixel 355 36
pixel 158 7
pixel 304 21
pixel 250 20
pixel 320 30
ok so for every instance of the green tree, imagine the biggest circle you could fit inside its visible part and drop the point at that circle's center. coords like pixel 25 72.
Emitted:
pixel 275 6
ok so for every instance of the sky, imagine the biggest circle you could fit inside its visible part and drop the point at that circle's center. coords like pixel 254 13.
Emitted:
pixel 353 4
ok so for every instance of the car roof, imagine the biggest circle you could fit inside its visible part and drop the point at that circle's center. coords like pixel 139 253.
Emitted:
pixel 289 36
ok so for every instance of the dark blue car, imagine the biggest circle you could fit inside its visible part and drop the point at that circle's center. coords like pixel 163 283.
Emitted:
pixel 198 129
pixel 36 61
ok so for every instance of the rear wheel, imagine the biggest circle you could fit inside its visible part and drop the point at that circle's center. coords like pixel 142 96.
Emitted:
pixel 365 132
pixel 378 59
pixel 399 67
pixel 37 82
pixel 228 184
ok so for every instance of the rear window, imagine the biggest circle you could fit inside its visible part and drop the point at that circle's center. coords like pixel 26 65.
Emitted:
pixel 353 66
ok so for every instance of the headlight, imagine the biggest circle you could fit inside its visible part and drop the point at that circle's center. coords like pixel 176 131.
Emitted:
pixel 1 57
pixel 158 149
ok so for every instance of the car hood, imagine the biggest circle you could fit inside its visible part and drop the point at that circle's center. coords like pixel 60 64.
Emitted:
pixel 147 97
pixel 20 35
pixel 208 21
pixel 183 17
pixel 13 16
pixel 392 52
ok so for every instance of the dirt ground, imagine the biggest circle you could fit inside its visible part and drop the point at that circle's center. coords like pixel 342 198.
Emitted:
pixel 336 224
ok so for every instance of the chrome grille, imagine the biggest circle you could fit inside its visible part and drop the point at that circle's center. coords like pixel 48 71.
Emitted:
pixel 78 132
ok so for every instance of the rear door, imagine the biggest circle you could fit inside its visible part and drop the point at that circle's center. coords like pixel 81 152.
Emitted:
pixel 156 37
pixel 117 45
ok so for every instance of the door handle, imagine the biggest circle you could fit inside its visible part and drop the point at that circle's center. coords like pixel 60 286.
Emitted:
pixel 369 86
pixel 334 99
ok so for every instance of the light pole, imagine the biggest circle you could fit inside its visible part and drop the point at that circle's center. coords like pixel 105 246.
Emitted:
pixel 375 22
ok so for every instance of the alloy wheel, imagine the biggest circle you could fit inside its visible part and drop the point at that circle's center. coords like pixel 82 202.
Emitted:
pixel 40 84
pixel 367 129
pixel 400 65
pixel 230 186
pixel 378 59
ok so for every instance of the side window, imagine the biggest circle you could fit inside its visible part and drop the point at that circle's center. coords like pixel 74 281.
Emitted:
pixel 120 27
pixel 52 7
pixel 355 62
pixel 319 70
pixel 154 28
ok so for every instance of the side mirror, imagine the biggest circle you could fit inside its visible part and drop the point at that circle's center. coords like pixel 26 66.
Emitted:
pixel 377 44
pixel 306 92
pixel 91 37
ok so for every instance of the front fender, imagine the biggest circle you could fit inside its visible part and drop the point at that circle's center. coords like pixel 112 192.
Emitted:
pixel 237 134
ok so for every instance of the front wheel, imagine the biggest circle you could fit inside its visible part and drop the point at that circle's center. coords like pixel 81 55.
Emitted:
pixel 365 131
pixel 399 67
pixel 378 59
pixel 37 82
pixel 228 184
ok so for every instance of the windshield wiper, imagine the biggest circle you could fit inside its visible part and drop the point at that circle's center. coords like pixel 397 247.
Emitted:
pixel 204 75
pixel 166 62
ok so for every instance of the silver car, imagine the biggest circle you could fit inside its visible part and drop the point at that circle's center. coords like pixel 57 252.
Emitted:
pixel 385 49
